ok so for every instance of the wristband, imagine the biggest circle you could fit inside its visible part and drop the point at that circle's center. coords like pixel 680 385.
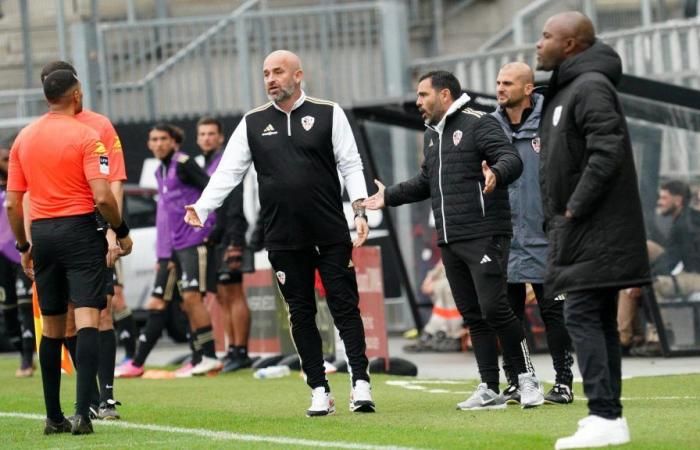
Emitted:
pixel 22 248
pixel 122 230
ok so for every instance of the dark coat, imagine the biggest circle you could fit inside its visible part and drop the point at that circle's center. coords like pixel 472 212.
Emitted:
pixel 527 258
pixel 588 168
pixel 451 175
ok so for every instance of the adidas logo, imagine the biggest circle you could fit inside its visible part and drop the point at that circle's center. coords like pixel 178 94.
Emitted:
pixel 269 130
pixel 28 334
pixel 125 335
pixel 194 282
pixel 485 259
pixel 350 264
pixel 158 290
pixel 142 338
pixel 560 298
pixel 431 143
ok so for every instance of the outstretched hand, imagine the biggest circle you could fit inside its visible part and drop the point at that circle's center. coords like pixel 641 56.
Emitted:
pixel 377 200
pixel 191 217
pixel 489 178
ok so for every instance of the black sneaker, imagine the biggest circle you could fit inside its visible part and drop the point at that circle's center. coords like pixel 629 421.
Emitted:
pixel 108 410
pixel 52 427
pixel 560 394
pixel 234 364
pixel 81 425
pixel 512 395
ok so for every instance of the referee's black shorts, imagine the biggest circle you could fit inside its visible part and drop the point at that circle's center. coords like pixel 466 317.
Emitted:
pixel 69 263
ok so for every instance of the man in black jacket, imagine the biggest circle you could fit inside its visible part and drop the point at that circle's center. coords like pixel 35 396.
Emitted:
pixel 468 164
pixel 592 211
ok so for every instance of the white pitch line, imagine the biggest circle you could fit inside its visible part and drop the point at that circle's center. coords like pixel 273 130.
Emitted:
pixel 225 435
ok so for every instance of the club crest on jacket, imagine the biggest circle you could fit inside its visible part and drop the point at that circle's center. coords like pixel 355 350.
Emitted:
pixel 456 137
pixel 307 122
pixel 281 276
pixel 536 145
pixel 556 116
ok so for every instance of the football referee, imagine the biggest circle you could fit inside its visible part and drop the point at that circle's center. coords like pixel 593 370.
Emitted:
pixel 66 167
pixel 298 145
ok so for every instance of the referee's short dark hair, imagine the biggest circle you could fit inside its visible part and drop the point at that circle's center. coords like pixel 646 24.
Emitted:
pixel 208 120
pixel 442 79
pixel 54 66
pixel 58 83
pixel 677 188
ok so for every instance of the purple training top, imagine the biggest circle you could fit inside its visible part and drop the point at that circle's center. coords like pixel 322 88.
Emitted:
pixel 7 239
pixel 176 195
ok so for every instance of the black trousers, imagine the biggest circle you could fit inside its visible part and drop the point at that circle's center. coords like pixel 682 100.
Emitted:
pixel 558 340
pixel 591 318
pixel 476 270
pixel 295 270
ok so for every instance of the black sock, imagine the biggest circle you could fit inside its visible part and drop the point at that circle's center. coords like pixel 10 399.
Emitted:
pixel 27 327
pixel 205 339
pixel 105 370
pixel 150 335
pixel 242 351
pixel 126 330
pixel 87 354
pixel 71 343
pixel 196 349
pixel 50 361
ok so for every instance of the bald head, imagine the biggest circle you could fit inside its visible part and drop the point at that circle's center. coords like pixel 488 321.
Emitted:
pixel 519 70
pixel 283 75
pixel 514 85
pixel 563 36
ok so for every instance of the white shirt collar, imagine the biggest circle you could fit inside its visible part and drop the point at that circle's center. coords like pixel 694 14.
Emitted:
pixel 456 105
pixel 297 103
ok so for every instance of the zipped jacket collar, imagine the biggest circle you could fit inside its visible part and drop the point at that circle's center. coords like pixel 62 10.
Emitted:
pixel 454 107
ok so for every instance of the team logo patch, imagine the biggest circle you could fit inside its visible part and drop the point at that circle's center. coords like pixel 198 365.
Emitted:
pixel 457 137
pixel 281 277
pixel 307 122
pixel 431 143
pixel 556 116
pixel 269 130
pixel 99 148
pixel 104 164
pixel 536 145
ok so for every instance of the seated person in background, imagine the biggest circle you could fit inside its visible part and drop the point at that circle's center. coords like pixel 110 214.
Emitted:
pixel 444 331
pixel 675 261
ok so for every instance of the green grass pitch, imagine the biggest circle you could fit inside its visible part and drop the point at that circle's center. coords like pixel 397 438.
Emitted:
pixel 663 413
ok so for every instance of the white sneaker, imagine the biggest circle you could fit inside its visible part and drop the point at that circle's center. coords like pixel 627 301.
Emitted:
pixel 595 431
pixel 361 397
pixel 531 394
pixel 207 365
pixel 483 398
pixel 322 403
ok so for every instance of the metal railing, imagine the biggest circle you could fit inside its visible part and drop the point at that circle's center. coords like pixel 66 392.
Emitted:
pixel 667 52
pixel 607 17
pixel 208 65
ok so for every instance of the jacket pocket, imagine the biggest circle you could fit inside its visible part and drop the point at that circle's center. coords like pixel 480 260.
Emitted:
pixel 569 240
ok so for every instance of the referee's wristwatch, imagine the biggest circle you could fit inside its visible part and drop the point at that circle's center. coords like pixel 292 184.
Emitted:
pixel 22 248
pixel 361 215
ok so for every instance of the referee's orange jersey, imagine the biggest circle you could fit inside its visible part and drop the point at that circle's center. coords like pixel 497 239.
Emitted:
pixel 54 158
pixel 109 137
